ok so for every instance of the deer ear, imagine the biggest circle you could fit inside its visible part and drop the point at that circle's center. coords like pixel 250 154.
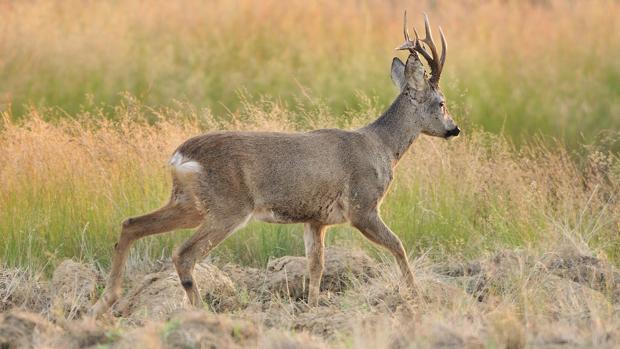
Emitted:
pixel 398 73
pixel 414 73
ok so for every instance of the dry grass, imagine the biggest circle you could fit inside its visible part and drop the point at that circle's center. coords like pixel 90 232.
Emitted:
pixel 513 246
pixel 66 186
pixel 518 67
pixel 556 297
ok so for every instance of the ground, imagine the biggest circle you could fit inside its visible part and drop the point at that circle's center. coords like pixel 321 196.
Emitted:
pixel 508 299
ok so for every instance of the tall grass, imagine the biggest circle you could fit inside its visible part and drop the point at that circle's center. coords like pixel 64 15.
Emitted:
pixel 515 67
pixel 65 186
pixel 95 95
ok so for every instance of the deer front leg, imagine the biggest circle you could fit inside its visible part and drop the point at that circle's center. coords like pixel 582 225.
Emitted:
pixel 314 241
pixel 372 227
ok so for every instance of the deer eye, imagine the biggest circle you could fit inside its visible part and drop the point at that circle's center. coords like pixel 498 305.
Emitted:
pixel 442 104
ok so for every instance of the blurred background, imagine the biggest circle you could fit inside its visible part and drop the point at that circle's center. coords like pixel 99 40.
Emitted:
pixel 520 68
pixel 96 95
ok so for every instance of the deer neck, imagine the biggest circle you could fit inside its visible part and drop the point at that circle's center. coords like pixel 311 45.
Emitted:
pixel 397 128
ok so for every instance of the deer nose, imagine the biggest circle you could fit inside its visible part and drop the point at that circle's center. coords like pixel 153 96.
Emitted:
pixel 453 132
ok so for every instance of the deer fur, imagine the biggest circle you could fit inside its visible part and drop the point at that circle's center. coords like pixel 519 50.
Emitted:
pixel 221 180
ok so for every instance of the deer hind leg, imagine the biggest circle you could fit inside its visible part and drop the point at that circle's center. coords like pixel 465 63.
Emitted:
pixel 373 228
pixel 314 241
pixel 180 212
pixel 211 233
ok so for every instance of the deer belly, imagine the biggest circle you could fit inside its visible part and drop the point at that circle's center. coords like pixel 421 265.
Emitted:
pixel 324 211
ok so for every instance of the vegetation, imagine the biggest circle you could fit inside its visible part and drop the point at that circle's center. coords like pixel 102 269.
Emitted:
pixel 95 96
pixel 512 228
pixel 519 68
pixel 67 185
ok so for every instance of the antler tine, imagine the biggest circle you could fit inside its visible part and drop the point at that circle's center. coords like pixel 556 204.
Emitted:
pixel 419 47
pixel 405 29
pixel 434 61
pixel 408 44
pixel 444 49
pixel 428 38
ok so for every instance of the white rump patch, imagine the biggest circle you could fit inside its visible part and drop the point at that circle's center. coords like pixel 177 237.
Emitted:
pixel 183 164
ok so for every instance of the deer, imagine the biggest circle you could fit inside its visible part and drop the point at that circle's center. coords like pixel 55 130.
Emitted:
pixel 222 180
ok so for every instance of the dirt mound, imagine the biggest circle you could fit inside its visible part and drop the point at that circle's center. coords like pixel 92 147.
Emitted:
pixel 286 340
pixel 20 288
pixel 366 305
pixel 86 333
pixel 149 336
pixel 586 270
pixel 289 275
pixel 297 317
pixel 568 279
pixel 393 296
pixel 323 321
pixel 189 329
pixel 159 294
pixel 569 299
pixel 200 329
pixel 246 278
pixel 194 329
pixel 73 287
pixel 489 276
pixel 20 329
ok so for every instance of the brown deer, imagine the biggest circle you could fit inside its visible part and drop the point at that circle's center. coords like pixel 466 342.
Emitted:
pixel 221 180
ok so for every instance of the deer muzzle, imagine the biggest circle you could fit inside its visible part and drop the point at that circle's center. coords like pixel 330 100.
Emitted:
pixel 453 132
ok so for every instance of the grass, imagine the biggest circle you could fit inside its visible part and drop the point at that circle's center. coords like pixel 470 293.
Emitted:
pixel 521 68
pixel 67 185
pixel 555 296
pixel 94 96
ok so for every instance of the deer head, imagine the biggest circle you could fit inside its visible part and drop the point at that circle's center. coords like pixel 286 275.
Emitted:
pixel 420 89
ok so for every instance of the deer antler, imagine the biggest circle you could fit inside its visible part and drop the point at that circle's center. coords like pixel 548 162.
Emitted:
pixel 434 61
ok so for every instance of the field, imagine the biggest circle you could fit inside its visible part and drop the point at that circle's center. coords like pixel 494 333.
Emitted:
pixel 513 228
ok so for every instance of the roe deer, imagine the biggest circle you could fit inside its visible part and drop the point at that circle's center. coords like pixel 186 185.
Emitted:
pixel 221 180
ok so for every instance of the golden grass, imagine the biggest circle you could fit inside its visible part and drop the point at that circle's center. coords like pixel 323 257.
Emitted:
pixel 67 185
pixel 518 67
pixel 79 154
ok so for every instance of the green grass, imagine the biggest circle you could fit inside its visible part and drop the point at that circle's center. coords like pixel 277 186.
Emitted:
pixel 95 96
pixel 67 185
pixel 518 68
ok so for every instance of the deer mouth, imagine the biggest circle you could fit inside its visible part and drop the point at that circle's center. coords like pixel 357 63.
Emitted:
pixel 452 133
